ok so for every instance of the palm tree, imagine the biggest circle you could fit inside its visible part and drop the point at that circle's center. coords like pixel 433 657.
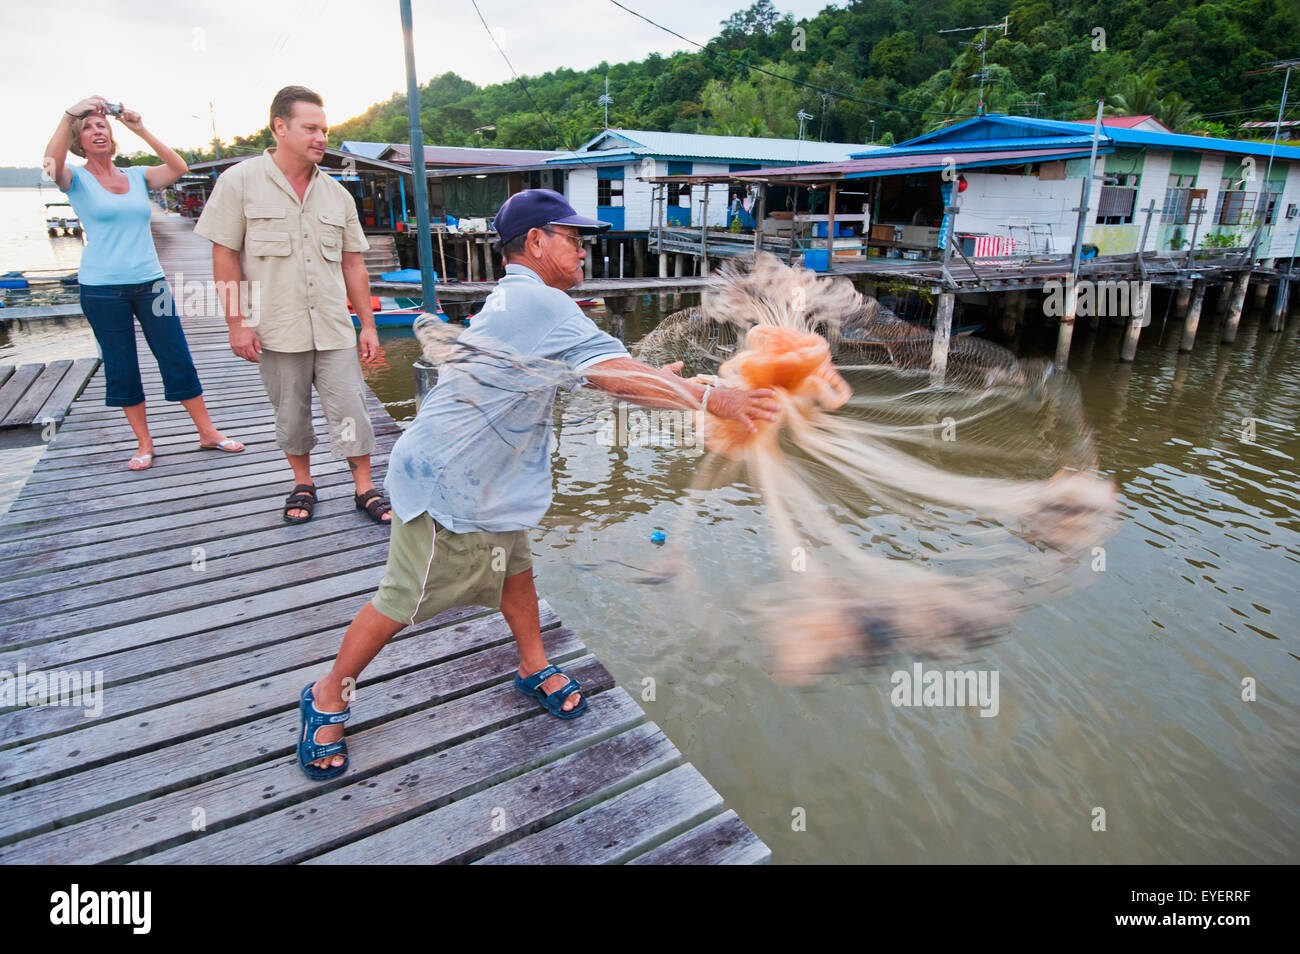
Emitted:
pixel 1176 113
pixel 1137 96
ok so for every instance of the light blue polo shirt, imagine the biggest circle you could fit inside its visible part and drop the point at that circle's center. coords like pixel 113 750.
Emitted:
pixel 119 245
pixel 478 454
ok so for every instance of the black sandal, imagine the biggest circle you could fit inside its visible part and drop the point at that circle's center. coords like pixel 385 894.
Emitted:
pixel 374 504
pixel 302 498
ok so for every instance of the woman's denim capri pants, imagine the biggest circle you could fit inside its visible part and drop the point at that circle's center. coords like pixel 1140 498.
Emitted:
pixel 112 311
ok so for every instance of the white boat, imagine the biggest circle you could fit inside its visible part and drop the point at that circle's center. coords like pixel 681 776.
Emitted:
pixel 56 221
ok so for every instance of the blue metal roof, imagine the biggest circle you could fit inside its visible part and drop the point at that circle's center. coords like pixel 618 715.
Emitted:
pixel 994 132
pixel 707 148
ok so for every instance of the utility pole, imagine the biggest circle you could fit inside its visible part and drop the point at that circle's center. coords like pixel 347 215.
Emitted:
pixel 982 43
pixel 606 101
pixel 802 117
pixel 216 143
pixel 1262 211
pixel 423 242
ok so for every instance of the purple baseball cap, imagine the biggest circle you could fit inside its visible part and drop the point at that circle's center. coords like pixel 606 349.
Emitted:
pixel 534 208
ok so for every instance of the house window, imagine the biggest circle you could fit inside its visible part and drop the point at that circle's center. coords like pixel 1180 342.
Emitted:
pixel 1178 200
pixel 1118 201
pixel 679 194
pixel 1235 205
pixel 609 193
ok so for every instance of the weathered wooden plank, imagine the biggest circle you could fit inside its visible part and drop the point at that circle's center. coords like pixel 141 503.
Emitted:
pixel 720 841
pixel 210 596
pixel 60 400
pixel 104 740
pixel 368 806
pixel 27 646
pixel 162 683
pixel 170 510
pixel 259 769
pixel 476 824
pixel 12 390
pixel 614 831
pixel 23 412
pixel 6 372
pixel 107 541
pixel 98 581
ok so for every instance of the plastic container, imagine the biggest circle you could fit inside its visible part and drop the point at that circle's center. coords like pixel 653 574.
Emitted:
pixel 816 259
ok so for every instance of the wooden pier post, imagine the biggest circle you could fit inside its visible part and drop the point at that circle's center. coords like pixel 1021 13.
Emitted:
pixel 830 228
pixel 1066 332
pixel 1193 315
pixel 663 264
pixel 1181 300
pixel 469 260
pixel 760 209
pixel 586 264
pixel 942 333
pixel 1261 288
pixel 1136 322
pixel 1277 320
pixel 1235 304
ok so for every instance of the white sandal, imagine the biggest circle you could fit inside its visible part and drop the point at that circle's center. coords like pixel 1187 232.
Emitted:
pixel 145 459
pixel 227 444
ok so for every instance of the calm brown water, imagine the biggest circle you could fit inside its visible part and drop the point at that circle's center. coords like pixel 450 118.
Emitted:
pixel 1125 696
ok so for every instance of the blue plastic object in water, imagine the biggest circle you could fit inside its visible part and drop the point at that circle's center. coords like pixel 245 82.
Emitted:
pixel 658 537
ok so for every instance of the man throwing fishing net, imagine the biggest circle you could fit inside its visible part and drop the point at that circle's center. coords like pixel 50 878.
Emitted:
pixel 471 475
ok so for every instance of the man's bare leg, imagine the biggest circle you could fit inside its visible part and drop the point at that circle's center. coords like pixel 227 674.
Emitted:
pixel 369 632
pixel 301 464
pixel 519 607
pixel 360 467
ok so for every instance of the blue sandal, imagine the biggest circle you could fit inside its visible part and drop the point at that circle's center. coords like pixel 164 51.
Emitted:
pixel 554 702
pixel 309 750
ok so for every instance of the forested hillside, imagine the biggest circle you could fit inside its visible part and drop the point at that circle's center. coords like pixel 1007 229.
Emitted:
pixel 883 67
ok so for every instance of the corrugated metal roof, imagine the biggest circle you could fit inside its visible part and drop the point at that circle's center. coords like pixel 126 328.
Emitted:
pixel 473 155
pixel 889 162
pixel 371 150
pixel 1020 127
pixel 647 142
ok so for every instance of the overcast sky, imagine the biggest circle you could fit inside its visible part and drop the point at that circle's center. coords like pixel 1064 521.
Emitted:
pixel 169 59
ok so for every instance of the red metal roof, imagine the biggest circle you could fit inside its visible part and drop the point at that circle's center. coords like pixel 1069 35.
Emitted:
pixel 1121 122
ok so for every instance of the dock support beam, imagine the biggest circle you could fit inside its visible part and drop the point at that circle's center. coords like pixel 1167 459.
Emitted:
pixel 1066 332
pixel 1137 321
pixel 1182 300
pixel 663 264
pixel 1277 320
pixel 1193 315
pixel 1235 304
pixel 586 264
pixel 942 332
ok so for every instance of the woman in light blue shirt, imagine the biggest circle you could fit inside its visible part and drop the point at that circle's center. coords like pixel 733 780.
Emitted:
pixel 120 277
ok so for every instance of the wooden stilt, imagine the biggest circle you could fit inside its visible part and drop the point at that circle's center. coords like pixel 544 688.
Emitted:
pixel 1140 318
pixel 942 334
pixel 1235 303
pixel 1193 315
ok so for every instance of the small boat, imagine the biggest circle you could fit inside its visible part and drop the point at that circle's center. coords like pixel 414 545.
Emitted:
pixel 394 312
pixel 57 221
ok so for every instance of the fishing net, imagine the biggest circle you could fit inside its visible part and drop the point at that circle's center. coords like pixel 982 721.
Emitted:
pixel 912 508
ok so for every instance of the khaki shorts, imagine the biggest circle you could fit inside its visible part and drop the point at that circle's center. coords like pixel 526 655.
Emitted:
pixel 431 569
pixel 289 376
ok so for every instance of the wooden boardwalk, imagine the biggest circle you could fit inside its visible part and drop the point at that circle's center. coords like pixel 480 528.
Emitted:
pixel 206 614
pixel 40 394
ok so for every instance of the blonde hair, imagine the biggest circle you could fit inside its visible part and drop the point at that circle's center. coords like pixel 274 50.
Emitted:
pixel 78 125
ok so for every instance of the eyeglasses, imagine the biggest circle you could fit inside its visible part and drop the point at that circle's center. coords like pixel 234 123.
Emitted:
pixel 575 239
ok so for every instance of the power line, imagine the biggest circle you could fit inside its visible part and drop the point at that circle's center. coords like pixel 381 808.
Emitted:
pixel 789 79
pixel 522 84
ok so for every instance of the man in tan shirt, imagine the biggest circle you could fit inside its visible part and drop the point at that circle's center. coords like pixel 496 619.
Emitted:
pixel 277 221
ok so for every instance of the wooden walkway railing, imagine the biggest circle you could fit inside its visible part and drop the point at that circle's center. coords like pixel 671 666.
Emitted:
pixel 204 614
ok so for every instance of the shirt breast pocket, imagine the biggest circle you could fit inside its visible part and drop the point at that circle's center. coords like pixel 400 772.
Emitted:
pixel 268 234
pixel 331 236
